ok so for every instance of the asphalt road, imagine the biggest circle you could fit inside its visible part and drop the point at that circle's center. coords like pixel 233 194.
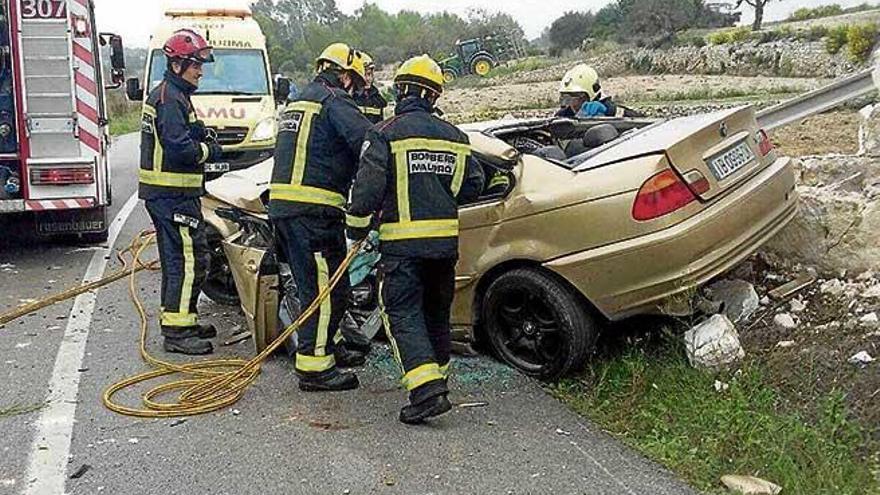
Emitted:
pixel 56 363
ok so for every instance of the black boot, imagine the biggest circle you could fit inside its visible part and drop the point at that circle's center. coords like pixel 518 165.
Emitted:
pixel 328 381
pixel 431 408
pixel 191 346
pixel 207 331
pixel 188 340
pixel 349 358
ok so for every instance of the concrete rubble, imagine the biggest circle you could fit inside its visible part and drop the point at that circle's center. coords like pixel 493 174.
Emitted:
pixel 749 485
pixel 713 344
pixel 739 298
pixel 785 320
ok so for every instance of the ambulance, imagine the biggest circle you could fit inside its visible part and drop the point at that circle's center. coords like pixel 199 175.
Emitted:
pixel 236 96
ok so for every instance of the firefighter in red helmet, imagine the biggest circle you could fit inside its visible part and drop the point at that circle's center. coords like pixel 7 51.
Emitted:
pixel 174 149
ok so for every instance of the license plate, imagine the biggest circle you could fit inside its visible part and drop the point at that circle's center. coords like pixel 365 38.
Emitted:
pixel 729 162
pixel 217 168
pixel 11 206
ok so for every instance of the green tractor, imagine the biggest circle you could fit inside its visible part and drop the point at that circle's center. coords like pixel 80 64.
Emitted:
pixel 480 55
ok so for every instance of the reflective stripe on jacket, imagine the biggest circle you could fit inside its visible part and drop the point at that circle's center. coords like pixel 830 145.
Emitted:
pixel 371 104
pixel 415 169
pixel 173 152
pixel 319 138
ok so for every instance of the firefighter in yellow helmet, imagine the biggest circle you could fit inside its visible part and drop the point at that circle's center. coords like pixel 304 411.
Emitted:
pixel 319 140
pixel 415 171
pixel 582 97
pixel 369 99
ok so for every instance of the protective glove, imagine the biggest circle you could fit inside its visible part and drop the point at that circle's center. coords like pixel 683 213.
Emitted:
pixel 198 131
pixel 216 152
pixel 593 109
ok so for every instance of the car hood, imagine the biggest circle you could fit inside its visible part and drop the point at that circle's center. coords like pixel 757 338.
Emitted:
pixel 244 188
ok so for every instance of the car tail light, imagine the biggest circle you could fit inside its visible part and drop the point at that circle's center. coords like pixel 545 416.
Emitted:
pixel 765 146
pixel 62 176
pixel 662 194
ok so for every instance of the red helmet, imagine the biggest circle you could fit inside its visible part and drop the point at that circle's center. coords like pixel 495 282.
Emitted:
pixel 188 45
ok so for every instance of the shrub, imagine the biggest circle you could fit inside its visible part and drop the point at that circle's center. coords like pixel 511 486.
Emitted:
pixel 738 35
pixel 719 38
pixel 837 38
pixel 804 14
pixel 860 41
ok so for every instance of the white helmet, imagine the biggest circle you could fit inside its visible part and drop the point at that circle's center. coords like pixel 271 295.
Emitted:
pixel 581 79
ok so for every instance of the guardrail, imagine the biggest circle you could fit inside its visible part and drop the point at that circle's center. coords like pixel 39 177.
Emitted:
pixel 818 101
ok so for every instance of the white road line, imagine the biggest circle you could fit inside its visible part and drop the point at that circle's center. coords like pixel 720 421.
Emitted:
pixel 49 453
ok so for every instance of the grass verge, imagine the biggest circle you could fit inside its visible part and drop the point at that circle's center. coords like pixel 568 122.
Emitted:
pixel 125 122
pixel 658 404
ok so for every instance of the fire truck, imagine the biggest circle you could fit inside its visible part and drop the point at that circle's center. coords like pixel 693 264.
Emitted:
pixel 54 173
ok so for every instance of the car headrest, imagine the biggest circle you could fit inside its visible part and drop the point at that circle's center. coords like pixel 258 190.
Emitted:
pixel 551 152
pixel 600 135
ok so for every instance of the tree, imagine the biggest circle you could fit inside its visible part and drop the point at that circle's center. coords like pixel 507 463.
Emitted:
pixel 758 6
pixel 569 31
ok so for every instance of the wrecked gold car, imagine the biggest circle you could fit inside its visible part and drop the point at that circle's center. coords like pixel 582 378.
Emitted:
pixel 601 219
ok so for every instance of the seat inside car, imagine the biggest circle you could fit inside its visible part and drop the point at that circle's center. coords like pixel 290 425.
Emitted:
pixel 595 137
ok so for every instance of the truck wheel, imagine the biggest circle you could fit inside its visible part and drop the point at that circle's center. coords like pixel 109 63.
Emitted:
pixel 449 75
pixel 482 66
pixel 538 324
pixel 220 285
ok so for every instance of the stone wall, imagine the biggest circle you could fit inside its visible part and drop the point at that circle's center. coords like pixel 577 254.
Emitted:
pixel 787 58
pixel 839 223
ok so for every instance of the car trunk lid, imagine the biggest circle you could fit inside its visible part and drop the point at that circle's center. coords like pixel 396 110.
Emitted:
pixel 712 152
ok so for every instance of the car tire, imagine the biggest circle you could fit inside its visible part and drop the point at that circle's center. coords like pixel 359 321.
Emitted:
pixel 538 324
pixel 449 75
pixel 219 285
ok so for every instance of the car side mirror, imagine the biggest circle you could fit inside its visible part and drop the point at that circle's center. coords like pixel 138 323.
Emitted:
pixel 117 59
pixel 133 89
pixel 282 90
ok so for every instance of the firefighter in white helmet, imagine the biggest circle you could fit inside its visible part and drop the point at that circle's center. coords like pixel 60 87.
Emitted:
pixel 582 97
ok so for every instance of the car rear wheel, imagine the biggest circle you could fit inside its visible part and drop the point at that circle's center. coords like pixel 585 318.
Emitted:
pixel 537 324
pixel 220 284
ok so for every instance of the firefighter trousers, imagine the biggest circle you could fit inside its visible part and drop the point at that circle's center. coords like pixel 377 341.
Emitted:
pixel 416 299
pixel 184 255
pixel 315 248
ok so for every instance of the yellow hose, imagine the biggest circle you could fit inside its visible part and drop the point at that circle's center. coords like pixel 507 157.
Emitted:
pixel 207 385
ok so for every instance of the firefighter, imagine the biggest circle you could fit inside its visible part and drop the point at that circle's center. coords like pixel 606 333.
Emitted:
pixel 368 99
pixel 581 95
pixel 174 150
pixel 415 171
pixel 316 156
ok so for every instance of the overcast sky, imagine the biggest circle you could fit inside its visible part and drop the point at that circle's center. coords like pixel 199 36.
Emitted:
pixel 135 19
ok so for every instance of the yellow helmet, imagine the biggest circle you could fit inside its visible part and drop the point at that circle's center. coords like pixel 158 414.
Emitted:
pixel 343 56
pixel 421 71
pixel 581 79
pixel 368 60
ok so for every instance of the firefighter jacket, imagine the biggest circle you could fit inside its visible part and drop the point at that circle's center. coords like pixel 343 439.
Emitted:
pixel 371 103
pixel 316 155
pixel 174 147
pixel 416 169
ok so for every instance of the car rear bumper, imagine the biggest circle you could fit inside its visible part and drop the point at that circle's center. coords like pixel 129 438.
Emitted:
pixel 638 275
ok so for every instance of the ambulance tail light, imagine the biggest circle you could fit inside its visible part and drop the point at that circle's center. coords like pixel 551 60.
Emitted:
pixel 62 176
